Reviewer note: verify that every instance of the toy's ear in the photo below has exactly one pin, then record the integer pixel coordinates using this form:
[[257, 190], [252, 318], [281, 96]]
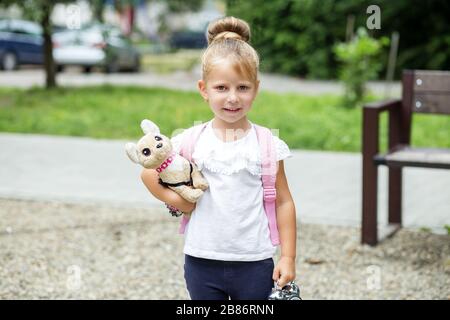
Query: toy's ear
[[148, 126], [132, 152]]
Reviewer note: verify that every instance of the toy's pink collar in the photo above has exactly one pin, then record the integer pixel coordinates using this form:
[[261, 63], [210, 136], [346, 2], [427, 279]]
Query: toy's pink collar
[[166, 163]]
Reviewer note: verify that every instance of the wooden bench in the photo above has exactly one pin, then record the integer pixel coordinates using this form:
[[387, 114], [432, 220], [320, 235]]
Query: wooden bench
[[423, 92]]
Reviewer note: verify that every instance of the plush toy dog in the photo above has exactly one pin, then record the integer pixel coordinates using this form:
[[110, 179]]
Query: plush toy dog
[[154, 151]]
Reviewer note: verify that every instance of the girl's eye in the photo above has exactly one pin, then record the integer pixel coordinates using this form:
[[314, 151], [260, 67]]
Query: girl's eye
[[243, 88], [220, 88]]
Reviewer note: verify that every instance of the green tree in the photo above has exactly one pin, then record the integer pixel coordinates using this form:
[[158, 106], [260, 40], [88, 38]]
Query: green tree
[[297, 36], [97, 7]]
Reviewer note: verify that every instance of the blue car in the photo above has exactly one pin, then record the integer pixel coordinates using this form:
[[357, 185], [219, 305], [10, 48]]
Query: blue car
[[21, 42]]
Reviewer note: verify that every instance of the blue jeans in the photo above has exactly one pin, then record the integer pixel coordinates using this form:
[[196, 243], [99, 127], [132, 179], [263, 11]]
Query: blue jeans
[[220, 280]]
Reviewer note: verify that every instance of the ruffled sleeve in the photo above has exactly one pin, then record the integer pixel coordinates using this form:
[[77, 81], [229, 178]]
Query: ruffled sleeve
[[283, 151], [177, 139]]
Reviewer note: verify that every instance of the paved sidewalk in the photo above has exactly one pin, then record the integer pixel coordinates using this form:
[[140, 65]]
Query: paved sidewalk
[[326, 185]]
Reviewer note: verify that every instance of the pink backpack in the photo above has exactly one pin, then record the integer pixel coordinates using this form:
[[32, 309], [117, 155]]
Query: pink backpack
[[268, 167]]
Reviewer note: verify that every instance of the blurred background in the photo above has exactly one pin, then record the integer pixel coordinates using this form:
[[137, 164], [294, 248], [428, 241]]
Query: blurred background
[[307, 30], [334, 53]]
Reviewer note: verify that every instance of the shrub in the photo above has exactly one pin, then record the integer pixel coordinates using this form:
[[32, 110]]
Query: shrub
[[360, 63]]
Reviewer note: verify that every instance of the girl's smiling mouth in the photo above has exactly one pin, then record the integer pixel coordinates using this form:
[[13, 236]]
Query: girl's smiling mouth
[[233, 110]]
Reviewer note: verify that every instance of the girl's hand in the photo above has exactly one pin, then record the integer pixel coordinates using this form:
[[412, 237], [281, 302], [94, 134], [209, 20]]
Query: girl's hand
[[284, 271]]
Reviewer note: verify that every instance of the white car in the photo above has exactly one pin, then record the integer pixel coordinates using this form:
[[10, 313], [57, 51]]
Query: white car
[[98, 45]]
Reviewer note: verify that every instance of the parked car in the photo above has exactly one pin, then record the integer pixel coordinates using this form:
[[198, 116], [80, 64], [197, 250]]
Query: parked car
[[188, 40], [21, 42], [96, 45]]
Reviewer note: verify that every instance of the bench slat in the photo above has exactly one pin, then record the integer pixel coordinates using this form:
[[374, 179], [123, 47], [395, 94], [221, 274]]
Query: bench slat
[[432, 103], [416, 157], [431, 80]]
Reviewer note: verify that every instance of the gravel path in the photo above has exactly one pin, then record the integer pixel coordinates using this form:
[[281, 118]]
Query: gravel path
[[51, 250]]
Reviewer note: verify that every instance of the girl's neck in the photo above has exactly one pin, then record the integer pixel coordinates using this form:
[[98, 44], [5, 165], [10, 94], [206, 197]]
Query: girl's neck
[[242, 124]]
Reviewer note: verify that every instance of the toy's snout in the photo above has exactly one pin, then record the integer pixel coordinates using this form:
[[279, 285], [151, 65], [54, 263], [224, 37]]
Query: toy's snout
[[160, 144]]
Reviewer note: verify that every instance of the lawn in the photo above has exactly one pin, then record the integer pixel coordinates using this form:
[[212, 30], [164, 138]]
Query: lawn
[[183, 60], [304, 122]]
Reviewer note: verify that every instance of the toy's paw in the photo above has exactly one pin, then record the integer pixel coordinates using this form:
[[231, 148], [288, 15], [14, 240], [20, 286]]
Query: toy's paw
[[201, 184]]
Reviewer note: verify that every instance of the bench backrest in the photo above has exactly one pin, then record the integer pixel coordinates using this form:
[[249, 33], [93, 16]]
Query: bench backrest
[[426, 91]]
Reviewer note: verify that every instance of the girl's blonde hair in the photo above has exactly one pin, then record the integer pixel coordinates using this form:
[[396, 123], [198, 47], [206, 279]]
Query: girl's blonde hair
[[228, 38]]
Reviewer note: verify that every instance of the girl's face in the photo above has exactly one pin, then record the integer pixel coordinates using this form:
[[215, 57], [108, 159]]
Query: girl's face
[[229, 94]]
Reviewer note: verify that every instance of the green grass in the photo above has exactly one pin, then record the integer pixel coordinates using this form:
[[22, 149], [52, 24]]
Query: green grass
[[305, 122], [169, 62], [425, 229]]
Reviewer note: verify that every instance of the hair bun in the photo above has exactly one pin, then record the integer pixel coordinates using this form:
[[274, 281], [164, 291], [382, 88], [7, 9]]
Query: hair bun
[[228, 27]]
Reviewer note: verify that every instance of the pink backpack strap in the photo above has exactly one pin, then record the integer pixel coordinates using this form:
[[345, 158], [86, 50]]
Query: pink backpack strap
[[269, 176], [186, 151]]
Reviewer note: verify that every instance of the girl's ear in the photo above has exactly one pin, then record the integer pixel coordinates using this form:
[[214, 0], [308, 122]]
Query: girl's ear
[[202, 89], [148, 126]]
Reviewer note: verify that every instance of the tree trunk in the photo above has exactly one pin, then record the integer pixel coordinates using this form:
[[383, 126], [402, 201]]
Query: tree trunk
[[98, 7], [49, 63]]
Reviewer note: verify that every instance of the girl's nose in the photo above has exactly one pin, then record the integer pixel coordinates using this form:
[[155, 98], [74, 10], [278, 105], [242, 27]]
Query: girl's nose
[[232, 97]]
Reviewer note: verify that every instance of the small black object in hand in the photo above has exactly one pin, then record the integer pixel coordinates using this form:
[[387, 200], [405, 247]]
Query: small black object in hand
[[289, 292]]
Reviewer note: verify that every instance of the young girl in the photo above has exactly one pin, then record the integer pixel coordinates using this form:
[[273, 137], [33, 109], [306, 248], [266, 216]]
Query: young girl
[[228, 248]]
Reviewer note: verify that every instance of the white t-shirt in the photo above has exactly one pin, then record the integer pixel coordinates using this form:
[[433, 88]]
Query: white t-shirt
[[229, 222]]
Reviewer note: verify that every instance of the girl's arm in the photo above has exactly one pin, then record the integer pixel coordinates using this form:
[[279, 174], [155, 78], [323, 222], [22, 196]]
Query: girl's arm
[[287, 227], [150, 178]]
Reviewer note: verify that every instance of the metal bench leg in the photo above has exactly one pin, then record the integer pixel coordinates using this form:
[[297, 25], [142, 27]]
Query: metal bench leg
[[394, 203], [369, 215], [395, 196], [370, 177]]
